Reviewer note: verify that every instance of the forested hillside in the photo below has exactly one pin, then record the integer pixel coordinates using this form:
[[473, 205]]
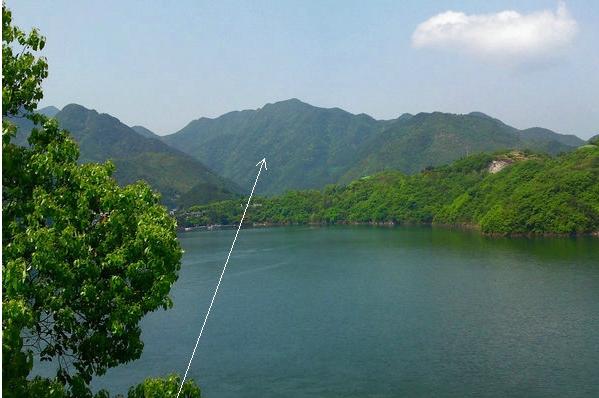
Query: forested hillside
[[433, 139], [176, 175], [529, 194], [309, 147], [306, 146]]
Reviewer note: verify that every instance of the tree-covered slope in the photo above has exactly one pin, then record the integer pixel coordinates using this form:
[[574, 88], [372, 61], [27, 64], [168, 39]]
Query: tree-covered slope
[[306, 146], [432, 139], [556, 195], [540, 134], [309, 147], [173, 173], [530, 194]]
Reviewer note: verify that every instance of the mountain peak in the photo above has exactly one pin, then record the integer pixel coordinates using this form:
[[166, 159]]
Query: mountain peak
[[481, 114], [291, 103], [76, 108], [80, 114], [138, 157], [49, 111]]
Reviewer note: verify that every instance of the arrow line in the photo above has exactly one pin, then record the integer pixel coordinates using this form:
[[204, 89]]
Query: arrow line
[[262, 163]]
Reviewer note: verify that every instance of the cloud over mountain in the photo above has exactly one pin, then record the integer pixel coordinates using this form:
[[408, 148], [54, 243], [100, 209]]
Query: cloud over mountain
[[506, 35]]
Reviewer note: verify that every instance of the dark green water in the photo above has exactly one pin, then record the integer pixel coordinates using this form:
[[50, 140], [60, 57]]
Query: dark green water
[[379, 312]]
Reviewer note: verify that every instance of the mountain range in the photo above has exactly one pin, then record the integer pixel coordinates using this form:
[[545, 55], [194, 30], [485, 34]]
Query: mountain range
[[181, 179], [306, 147], [309, 147]]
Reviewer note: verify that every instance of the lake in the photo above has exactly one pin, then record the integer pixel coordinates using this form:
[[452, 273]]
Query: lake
[[355, 311]]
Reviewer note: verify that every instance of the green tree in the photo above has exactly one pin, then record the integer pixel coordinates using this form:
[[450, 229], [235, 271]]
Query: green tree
[[22, 70], [163, 387], [83, 259]]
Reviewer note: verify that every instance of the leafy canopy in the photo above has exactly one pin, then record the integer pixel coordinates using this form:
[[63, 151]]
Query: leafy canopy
[[83, 259], [22, 70], [535, 194]]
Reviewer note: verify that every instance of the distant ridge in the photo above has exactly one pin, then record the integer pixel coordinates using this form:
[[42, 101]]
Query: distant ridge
[[310, 146], [141, 130], [176, 175], [307, 146], [49, 111], [433, 139]]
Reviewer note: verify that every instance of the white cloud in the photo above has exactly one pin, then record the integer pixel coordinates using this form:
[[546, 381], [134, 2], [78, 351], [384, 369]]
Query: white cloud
[[503, 35]]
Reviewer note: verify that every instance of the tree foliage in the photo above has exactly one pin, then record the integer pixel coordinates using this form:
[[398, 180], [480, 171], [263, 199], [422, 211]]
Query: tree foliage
[[163, 387], [536, 194], [22, 70], [83, 259]]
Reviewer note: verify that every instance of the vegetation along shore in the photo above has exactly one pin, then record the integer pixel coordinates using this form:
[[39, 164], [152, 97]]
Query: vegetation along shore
[[505, 193]]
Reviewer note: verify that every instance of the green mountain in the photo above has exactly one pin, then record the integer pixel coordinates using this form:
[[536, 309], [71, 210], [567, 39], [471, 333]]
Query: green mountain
[[542, 134], [505, 193], [173, 173], [433, 139], [309, 147], [144, 132], [306, 146], [49, 111]]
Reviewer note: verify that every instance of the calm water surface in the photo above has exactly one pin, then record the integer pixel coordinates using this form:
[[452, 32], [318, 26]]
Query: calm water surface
[[379, 312]]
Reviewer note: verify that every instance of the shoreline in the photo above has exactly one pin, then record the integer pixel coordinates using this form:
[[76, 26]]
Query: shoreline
[[391, 224]]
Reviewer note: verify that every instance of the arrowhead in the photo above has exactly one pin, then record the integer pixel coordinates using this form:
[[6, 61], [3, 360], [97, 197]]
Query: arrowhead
[[263, 161]]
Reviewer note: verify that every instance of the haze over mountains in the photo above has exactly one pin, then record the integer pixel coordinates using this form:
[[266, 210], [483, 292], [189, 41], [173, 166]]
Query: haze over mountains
[[181, 179], [306, 147]]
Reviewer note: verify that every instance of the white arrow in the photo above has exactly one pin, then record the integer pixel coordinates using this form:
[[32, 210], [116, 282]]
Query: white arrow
[[262, 163]]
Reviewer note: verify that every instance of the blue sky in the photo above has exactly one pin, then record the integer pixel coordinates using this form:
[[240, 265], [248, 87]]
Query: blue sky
[[161, 64]]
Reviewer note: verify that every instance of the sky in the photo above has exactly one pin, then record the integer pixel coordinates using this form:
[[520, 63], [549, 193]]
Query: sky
[[162, 64]]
